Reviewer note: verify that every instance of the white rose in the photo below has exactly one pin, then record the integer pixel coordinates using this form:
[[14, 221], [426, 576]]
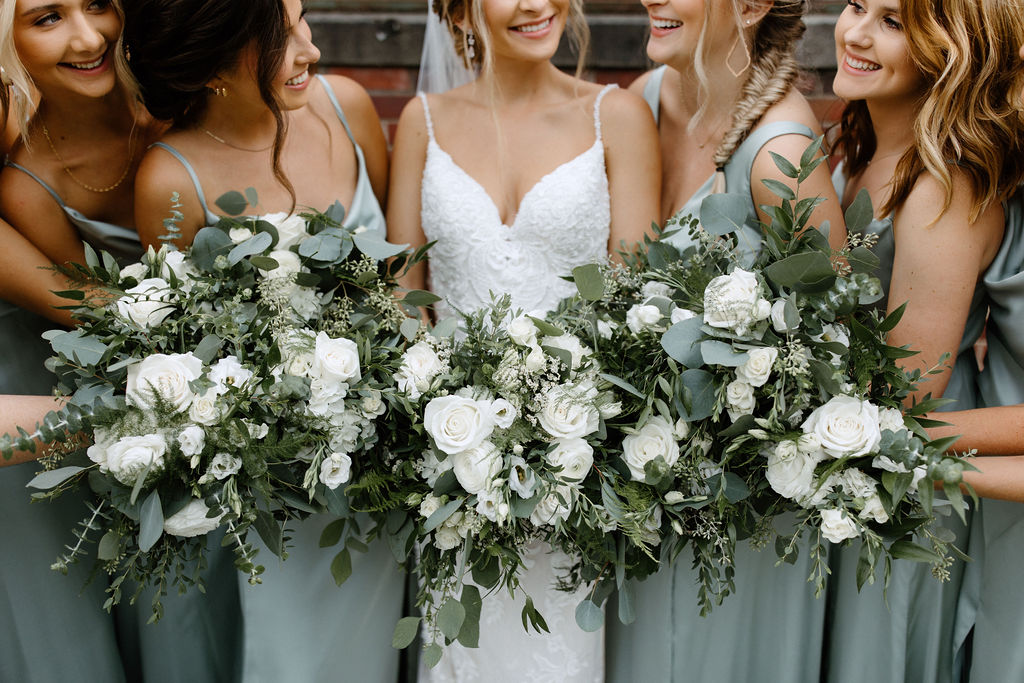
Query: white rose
[[147, 303], [206, 409], [521, 478], [809, 444], [288, 264], [734, 302], [97, 452], [447, 537], [681, 429], [335, 470], [790, 472], [291, 229], [846, 426], [873, 509], [536, 360], [191, 440], [229, 372], [326, 397], [492, 505], [610, 410], [239, 235], [678, 315], [652, 288], [563, 414], [641, 317], [739, 397], [572, 344], [420, 365], [655, 439], [574, 456], [522, 331], [336, 359], [457, 423], [224, 465], [136, 271], [191, 520], [166, 376], [837, 527], [476, 467], [891, 419], [129, 456], [372, 404], [551, 509], [503, 413], [778, 317], [758, 367], [429, 505], [605, 329]]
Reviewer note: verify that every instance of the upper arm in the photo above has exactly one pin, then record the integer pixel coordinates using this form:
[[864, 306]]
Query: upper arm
[[936, 266], [160, 177], [37, 215], [633, 162], [408, 159], [366, 128], [27, 278]]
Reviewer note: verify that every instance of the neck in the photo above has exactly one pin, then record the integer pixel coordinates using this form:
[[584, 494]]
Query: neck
[[251, 127], [70, 113], [519, 81], [893, 126], [719, 100]]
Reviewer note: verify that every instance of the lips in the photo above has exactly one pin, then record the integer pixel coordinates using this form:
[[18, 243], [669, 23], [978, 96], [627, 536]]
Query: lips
[[91, 65], [534, 27], [665, 24], [298, 81], [861, 64]]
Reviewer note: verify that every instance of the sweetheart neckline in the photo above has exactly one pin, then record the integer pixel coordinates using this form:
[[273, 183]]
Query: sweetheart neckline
[[522, 202]]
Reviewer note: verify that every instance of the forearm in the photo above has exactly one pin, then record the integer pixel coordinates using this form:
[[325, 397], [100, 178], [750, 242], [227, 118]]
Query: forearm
[[25, 412], [995, 431], [998, 477]]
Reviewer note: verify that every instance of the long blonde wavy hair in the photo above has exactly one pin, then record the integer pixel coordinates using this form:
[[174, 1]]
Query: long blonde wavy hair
[[971, 116]]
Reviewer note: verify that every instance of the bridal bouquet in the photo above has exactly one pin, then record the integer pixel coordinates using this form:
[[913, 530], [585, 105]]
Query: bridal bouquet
[[233, 385], [497, 431], [758, 384]]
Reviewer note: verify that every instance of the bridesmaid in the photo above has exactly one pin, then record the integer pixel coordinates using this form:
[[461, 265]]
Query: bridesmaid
[[724, 99], [234, 78], [931, 132], [69, 178]]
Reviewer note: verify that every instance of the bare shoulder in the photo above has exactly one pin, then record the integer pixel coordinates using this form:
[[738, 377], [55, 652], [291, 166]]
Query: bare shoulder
[[640, 83], [160, 178], [413, 117], [928, 195], [793, 107], [352, 97], [623, 107]]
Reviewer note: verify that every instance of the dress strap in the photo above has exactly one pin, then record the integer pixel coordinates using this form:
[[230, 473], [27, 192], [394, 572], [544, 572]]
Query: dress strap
[[652, 90], [33, 176], [597, 107], [762, 135], [337, 106], [426, 114], [191, 173]]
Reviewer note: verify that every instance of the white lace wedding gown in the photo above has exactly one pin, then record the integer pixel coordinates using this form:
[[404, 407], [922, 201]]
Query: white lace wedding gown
[[562, 222]]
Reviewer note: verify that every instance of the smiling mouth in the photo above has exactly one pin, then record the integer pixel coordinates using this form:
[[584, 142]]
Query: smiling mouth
[[86, 66], [298, 80], [533, 28], [861, 65], [665, 24]]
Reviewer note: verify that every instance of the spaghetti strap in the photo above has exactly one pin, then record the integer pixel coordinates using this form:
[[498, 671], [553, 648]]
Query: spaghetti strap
[[426, 114], [191, 174], [597, 108], [337, 107], [652, 90], [33, 176]]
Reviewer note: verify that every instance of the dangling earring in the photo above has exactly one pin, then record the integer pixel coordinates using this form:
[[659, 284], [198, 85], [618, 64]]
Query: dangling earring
[[728, 59], [470, 44], [127, 53]]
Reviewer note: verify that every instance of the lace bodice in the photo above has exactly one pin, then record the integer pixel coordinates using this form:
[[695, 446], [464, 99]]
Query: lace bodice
[[562, 222]]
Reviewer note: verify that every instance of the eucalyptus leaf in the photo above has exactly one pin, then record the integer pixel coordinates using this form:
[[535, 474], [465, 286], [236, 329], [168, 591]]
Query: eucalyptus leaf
[[232, 203], [432, 655], [859, 213], [332, 533], [701, 388], [680, 342], [151, 522], [863, 260], [420, 297], [804, 268], [108, 546], [545, 328], [906, 550], [337, 501], [341, 567], [51, 478], [251, 197], [409, 328], [589, 281], [207, 349], [373, 244], [589, 616], [450, 618], [269, 531], [208, 244], [722, 214], [441, 514], [627, 603], [469, 634], [445, 328], [405, 632], [78, 346], [716, 352], [253, 246]]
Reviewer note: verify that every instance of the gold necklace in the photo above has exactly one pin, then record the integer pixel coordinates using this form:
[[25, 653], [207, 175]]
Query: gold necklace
[[64, 165], [233, 146]]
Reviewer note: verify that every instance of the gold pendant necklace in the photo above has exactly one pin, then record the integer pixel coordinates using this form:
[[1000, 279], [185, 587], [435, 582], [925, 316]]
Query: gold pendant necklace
[[64, 165], [233, 146]]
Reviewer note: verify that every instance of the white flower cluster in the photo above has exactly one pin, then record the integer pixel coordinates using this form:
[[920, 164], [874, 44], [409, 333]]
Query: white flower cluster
[[734, 302]]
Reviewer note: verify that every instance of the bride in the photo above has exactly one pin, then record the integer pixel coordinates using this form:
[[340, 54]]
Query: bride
[[518, 176]]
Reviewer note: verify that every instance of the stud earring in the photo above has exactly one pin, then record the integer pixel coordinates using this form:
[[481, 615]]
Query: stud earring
[[220, 92]]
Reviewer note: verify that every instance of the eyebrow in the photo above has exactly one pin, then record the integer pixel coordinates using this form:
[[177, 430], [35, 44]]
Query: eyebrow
[[42, 9]]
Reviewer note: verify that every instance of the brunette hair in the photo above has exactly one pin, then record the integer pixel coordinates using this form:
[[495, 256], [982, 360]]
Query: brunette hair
[[971, 116], [178, 46]]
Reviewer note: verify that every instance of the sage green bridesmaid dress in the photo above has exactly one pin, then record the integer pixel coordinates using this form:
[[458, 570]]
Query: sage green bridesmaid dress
[[917, 637], [991, 601], [771, 628]]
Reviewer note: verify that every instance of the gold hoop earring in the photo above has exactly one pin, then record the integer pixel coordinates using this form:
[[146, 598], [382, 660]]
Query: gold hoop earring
[[728, 59]]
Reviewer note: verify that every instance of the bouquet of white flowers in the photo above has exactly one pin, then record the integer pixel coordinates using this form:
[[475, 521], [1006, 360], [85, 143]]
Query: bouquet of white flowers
[[232, 385]]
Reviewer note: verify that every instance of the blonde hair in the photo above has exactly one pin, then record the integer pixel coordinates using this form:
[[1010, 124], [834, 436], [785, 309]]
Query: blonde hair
[[453, 12]]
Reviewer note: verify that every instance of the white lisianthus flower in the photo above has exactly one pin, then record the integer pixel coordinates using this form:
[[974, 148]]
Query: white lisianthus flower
[[335, 470], [573, 345], [733, 302], [430, 468], [503, 413], [147, 304], [652, 527], [229, 372], [129, 456], [522, 331], [372, 404], [447, 537], [919, 473], [429, 505], [610, 410], [758, 367], [420, 365], [288, 264], [184, 270], [678, 315], [522, 478], [857, 484], [810, 444], [836, 526], [654, 439], [536, 360], [192, 520], [820, 491], [681, 429], [224, 465], [206, 409], [652, 288], [891, 419], [873, 509], [845, 426], [291, 229], [456, 423], [327, 397], [476, 468], [256, 431], [778, 317], [575, 456], [641, 317], [739, 398], [239, 235], [492, 505], [192, 440], [565, 415], [834, 333], [97, 452], [790, 472], [605, 329], [136, 271], [163, 375], [335, 359], [553, 507]]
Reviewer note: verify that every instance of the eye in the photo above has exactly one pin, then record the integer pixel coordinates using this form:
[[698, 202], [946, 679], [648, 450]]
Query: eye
[[99, 5], [48, 19], [893, 24], [854, 5]]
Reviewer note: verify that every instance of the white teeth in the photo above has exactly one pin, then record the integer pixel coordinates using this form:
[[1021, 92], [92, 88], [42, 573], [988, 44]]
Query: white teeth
[[861, 65], [533, 28], [298, 80], [665, 23], [85, 67]]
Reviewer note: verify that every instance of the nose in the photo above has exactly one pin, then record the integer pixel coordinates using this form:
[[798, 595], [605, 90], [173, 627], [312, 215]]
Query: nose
[[86, 37], [532, 6], [856, 33], [307, 52], [648, 4]]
